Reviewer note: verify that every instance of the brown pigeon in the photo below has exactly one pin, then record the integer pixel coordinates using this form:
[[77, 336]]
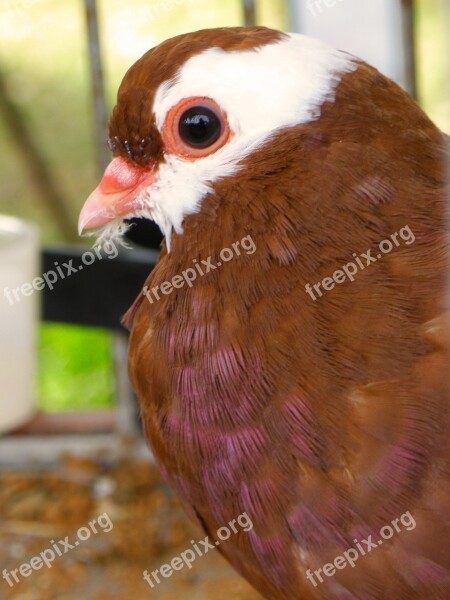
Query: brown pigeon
[[291, 348]]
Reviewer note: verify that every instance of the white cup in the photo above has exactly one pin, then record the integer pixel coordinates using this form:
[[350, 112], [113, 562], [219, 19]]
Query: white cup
[[19, 318]]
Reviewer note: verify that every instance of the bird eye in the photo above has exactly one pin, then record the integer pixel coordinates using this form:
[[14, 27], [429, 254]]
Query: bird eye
[[200, 127], [195, 128]]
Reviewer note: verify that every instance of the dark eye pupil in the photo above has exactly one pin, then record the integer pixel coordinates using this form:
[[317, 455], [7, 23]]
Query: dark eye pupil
[[200, 127]]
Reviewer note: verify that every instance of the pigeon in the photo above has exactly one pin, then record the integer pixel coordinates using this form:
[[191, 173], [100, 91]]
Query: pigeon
[[290, 350]]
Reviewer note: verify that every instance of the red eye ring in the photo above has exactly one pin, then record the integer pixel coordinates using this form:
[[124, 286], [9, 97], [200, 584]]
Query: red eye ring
[[174, 144]]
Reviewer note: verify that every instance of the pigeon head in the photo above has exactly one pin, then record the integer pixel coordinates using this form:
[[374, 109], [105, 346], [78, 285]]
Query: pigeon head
[[191, 111]]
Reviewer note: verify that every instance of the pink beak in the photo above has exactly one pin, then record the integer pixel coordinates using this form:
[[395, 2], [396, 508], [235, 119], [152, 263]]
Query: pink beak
[[117, 195]]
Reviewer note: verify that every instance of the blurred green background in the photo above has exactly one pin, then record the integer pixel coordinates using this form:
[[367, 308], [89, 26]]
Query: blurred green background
[[44, 61]]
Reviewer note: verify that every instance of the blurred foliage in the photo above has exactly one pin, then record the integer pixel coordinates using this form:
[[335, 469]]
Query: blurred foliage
[[43, 53], [75, 369]]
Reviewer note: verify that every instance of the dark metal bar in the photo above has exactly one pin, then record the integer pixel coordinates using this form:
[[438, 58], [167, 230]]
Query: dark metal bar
[[113, 312], [409, 35], [249, 9], [98, 87]]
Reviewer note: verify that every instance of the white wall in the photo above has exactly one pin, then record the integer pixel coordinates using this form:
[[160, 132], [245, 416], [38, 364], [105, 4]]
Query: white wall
[[370, 29]]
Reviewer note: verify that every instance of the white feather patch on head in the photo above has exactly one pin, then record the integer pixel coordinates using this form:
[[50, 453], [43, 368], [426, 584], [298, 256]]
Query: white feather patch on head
[[262, 91]]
